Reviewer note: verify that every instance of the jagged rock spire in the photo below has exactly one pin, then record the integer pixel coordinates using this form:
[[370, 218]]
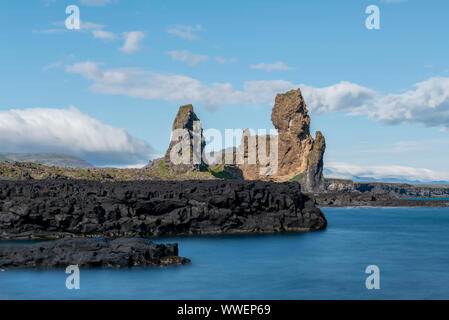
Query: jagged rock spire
[[186, 121], [300, 157]]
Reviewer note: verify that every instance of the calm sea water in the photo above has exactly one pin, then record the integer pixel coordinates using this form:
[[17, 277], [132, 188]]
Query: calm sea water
[[409, 245]]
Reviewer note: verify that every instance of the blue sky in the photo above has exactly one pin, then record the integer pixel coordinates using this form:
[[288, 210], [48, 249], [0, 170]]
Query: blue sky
[[109, 92]]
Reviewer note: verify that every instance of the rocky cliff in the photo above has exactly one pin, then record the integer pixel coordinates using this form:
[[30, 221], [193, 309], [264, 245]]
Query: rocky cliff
[[300, 157], [52, 209]]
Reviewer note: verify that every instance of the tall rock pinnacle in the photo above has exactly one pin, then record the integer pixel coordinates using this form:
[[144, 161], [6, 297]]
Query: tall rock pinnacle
[[188, 125]]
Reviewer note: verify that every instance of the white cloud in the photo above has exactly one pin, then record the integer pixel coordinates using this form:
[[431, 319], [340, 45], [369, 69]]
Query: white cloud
[[185, 56], [427, 104], [343, 96], [95, 3], [72, 132], [146, 84], [88, 26], [343, 170], [277, 66], [49, 31], [88, 69], [222, 60], [105, 35], [54, 65], [85, 26], [132, 40], [140, 83], [185, 32]]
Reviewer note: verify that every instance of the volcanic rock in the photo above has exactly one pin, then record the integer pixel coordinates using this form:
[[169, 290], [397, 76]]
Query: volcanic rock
[[90, 253], [55, 209]]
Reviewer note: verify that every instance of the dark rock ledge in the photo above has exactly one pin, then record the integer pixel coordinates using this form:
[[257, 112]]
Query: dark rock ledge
[[357, 199], [90, 253], [50, 209]]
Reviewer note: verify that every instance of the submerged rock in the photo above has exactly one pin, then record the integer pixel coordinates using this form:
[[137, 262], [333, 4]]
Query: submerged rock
[[90, 253], [54, 209]]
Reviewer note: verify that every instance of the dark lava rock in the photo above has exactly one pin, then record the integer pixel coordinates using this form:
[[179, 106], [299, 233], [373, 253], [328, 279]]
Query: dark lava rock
[[394, 190], [56, 209], [90, 253]]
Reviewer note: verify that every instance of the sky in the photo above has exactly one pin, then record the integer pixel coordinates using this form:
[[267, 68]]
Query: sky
[[109, 92]]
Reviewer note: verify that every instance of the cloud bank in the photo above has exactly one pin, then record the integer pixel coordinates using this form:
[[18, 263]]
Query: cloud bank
[[72, 132], [349, 171], [427, 103]]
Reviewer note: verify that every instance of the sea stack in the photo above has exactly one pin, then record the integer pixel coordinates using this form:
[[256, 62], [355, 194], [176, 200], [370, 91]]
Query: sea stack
[[186, 120], [300, 156]]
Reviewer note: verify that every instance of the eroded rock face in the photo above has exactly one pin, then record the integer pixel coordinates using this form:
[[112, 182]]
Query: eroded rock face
[[90, 253], [300, 157], [55, 209], [187, 120]]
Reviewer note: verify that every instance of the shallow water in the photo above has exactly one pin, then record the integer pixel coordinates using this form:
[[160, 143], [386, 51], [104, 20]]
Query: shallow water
[[409, 245]]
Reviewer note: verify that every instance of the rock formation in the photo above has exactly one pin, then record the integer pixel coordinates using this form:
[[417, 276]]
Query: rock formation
[[186, 120], [90, 253], [395, 190], [300, 157], [364, 199], [55, 209]]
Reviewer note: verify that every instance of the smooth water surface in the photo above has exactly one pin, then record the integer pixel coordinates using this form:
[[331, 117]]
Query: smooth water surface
[[409, 245]]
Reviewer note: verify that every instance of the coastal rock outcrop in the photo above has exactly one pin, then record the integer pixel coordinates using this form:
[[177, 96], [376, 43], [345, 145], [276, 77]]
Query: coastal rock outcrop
[[188, 121], [300, 156], [395, 190], [56, 209], [358, 199], [90, 253]]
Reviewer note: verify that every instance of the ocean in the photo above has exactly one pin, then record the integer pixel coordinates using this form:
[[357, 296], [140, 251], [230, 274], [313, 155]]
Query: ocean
[[410, 246]]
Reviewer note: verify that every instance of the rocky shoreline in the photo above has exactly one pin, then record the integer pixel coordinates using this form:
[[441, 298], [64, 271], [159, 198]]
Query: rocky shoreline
[[394, 190], [90, 253], [51, 209], [369, 199]]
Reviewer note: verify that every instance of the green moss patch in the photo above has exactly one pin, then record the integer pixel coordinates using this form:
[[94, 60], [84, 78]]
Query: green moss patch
[[297, 178]]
